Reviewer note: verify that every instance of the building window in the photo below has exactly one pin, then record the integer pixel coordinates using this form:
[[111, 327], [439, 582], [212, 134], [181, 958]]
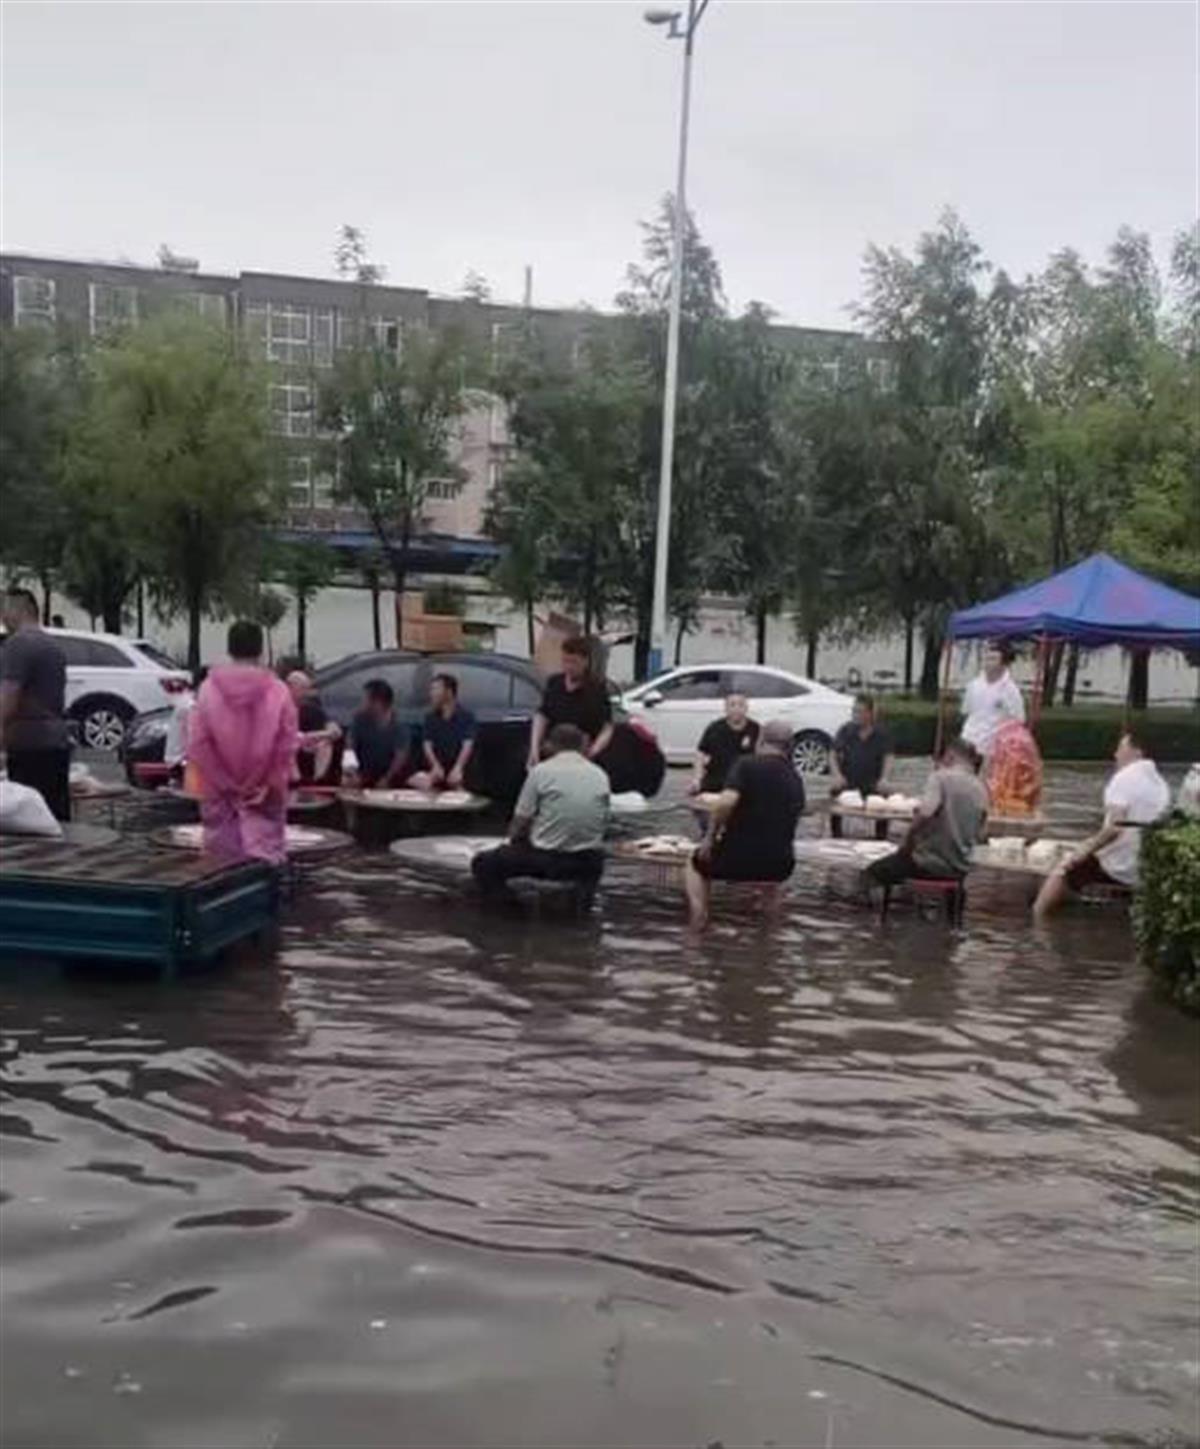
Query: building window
[[881, 372], [289, 334], [206, 304], [299, 480], [323, 339], [442, 489], [322, 491], [832, 372], [291, 408], [33, 301], [385, 334], [111, 307]]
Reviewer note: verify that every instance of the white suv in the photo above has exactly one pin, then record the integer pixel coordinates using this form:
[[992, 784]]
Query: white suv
[[110, 679]]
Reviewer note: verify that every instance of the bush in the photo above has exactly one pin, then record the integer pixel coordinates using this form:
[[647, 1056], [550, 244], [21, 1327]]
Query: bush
[[1166, 914], [1083, 732]]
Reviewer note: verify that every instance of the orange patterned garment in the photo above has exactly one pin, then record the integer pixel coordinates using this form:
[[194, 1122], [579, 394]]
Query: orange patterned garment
[[1014, 775]]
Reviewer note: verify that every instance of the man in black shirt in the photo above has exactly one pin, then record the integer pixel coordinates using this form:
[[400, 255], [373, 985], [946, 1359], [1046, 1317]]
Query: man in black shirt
[[722, 744], [576, 697], [33, 682], [862, 757], [752, 827], [319, 752]]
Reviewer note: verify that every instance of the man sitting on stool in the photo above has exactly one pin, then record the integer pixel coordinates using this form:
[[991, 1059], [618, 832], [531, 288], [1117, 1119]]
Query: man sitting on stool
[[752, 827], [946, 825], [557, 830]]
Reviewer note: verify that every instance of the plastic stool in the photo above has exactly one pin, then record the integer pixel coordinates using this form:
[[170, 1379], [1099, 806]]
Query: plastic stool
[[950, 890]]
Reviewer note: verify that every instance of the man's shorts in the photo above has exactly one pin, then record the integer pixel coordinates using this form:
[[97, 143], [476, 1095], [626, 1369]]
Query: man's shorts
[[734, 865], [1089, 871]]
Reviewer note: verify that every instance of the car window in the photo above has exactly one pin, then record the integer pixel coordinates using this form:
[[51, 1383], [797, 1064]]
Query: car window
[[157, 656], [342, 695], [106, 656], [758, 684], [77, 652], [526, 693], [482, 687], [696, 684]]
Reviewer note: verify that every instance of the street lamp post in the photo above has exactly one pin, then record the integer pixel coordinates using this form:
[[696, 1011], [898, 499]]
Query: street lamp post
[[678, 29]]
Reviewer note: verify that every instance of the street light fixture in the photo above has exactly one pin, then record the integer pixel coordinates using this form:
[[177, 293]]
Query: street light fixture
[[685, 30]]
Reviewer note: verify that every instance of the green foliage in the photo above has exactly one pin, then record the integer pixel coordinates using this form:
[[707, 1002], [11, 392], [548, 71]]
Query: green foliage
[[394, 422], [174, 439], [1167, 908], [1081, 732]]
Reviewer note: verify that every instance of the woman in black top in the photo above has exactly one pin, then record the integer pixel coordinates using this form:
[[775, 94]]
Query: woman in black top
[[577, 697]]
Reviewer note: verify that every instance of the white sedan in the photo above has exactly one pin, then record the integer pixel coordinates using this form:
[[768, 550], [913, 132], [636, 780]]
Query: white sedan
[[679, 704]]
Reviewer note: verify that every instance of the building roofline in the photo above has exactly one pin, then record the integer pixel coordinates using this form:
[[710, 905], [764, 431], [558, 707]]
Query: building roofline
[[126, 266]]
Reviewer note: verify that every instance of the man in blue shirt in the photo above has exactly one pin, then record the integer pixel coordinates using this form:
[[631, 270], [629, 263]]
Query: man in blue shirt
[[448, 737], [378, 739]]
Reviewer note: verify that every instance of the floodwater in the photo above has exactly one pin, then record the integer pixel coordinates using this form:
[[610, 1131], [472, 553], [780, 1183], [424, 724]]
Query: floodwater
[[434, 1177]]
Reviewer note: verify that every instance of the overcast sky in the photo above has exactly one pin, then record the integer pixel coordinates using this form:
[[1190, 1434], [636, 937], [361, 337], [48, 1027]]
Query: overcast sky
[[488, 136]]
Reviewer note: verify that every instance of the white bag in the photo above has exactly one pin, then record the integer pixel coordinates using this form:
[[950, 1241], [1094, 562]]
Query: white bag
[[24, 812]]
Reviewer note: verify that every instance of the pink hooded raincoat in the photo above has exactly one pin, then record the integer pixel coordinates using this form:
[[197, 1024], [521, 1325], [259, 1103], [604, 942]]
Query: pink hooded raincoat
[[242, 737]]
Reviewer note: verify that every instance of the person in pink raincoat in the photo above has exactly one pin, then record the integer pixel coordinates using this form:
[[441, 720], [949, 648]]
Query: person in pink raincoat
[[242, 739]]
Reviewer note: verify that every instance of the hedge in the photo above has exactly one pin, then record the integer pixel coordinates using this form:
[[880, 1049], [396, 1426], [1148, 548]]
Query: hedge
[[1083, 732], [1166, 913]]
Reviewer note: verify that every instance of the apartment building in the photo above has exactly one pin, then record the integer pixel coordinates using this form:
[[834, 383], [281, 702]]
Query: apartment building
[[300, 323]]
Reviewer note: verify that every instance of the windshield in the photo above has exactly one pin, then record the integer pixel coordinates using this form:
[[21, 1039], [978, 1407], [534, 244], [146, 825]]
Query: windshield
[[156, 655]]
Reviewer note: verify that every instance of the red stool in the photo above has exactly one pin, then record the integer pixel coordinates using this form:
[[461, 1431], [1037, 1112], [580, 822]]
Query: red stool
[[950, 891]]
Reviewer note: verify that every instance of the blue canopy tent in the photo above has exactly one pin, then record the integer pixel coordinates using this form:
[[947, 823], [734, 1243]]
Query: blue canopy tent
[[1097, 602]]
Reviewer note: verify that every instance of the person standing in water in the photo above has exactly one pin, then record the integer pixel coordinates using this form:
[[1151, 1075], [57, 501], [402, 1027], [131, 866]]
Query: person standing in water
[[576, 697], [991, 699], [722, 745], [242, 738], [33, 727]]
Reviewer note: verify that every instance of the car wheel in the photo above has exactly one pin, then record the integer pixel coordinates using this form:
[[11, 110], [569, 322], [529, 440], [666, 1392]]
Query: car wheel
[[102, 724], [810, 753]]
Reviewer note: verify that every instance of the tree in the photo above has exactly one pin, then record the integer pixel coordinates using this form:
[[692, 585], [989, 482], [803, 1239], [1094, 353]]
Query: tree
[[476, 287], [39, 387], [305, 567], [268, 607], [393, 419], [351, 260], [520, 519], [177, 426]]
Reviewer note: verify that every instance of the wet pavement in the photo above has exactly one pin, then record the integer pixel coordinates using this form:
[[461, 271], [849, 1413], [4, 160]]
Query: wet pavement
[[430, 1176]]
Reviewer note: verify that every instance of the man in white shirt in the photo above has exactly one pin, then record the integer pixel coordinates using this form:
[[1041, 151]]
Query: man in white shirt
[[990, 700], [1136, 795]]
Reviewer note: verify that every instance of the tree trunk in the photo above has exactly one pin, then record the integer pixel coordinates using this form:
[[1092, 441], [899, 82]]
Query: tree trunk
[[530, 628], [1053, 669], [193, 657], [302, 625], [811, 639], [589, 586], [909, 629], [760, 633], [112, 618], [1068, 697], [47, 600], [376, 627], [930, 662], [641, 654], [141, 609], [1139, 679], [680, 632]]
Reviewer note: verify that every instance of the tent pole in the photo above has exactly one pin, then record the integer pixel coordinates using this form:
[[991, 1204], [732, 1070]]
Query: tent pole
[[1039, 680], [939, 738]]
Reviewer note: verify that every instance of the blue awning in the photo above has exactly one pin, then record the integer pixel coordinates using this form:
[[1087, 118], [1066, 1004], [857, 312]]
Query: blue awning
[[434, 552], [1099, 601]]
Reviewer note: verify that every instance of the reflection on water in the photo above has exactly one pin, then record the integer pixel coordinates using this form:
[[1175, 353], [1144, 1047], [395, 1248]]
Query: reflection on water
[[436, 1177]]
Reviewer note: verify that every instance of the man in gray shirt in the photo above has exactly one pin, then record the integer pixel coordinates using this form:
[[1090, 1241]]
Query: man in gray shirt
[[948, 822], [557, 830], [33, 682]]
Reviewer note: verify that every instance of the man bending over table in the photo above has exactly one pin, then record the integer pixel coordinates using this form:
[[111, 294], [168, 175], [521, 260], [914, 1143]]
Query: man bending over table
[[557, 830]]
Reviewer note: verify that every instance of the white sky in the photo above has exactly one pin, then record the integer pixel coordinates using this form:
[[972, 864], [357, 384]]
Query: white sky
[[491, 135]]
